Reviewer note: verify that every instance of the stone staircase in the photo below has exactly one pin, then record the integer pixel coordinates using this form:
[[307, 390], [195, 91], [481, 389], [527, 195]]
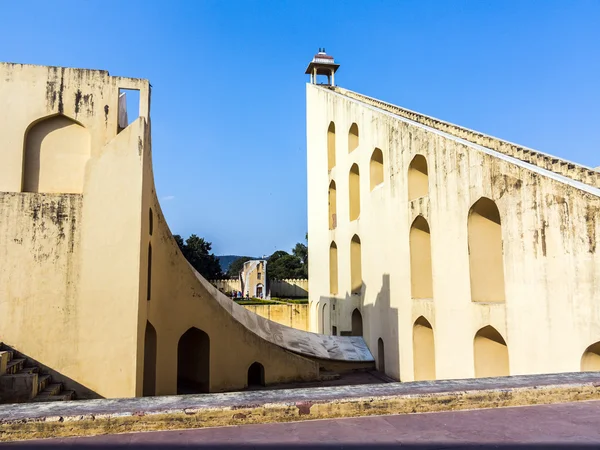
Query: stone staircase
[[577, 172], [22, 381]]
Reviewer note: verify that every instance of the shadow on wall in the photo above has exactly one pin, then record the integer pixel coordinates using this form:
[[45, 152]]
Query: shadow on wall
[[82, 392], [382, 339]]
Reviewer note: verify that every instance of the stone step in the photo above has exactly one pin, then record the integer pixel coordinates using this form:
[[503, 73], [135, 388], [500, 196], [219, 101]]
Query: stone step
[[14, 366], [328, 376], [62, 396], [52, 389], [43, 382]]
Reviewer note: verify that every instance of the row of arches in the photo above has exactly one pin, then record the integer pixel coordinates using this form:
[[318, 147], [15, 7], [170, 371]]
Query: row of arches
[[376, 178], [355, 267], [418, 184], [193, 363], [352, 142], [486, 264], [490, 352]]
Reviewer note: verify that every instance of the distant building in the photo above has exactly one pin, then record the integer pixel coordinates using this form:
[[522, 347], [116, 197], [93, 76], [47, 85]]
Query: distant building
[[253, 278]]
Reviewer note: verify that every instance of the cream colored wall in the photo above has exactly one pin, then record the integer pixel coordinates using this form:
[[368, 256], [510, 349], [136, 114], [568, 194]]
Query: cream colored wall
[[549, 236], [179, 301], [295, 316], [77, 256]]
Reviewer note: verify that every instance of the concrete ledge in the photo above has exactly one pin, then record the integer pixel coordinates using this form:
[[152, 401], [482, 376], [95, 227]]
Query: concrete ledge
[[94, 417]]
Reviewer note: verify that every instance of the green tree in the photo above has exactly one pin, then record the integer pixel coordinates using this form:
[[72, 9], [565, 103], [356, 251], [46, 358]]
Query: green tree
[[300, 251], [198, 253], [236, 266], [281, 266]]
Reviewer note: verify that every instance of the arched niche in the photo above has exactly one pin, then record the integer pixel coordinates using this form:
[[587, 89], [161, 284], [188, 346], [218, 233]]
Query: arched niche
[[423, 350], [486, 263], [355, 265], [326, 319], [380, 356], [376, 168], [490, 353], [352, 137], [56, 151], [193, 362], [418, 178], [332, 206], [357, 323], [256, 375], [354, 192], [421, 278], [333, 269], [150, 345], [331, 146], [590, 361]]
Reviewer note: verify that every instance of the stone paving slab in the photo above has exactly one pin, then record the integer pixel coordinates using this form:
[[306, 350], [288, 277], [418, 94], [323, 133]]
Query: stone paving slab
[[90, 417]]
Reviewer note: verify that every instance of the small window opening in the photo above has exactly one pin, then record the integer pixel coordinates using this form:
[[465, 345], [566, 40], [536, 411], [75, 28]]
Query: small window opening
[[128, 108], [150, 222]]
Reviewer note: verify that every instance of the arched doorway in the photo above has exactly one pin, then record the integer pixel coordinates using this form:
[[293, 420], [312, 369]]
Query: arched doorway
[[256, 375], [57, 150], [149, 361], [491, 353], [380, 356], [193, 362], [590, 361], [423, 350], [357, 324]]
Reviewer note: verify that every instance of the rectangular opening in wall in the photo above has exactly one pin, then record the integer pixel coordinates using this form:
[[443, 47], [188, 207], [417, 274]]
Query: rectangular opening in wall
[[128, 108]]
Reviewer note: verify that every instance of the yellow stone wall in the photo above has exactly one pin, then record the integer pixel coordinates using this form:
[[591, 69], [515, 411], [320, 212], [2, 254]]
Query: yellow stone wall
[[295, 316]]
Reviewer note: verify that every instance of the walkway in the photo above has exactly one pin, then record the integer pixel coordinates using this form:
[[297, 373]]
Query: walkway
[[572, 425]]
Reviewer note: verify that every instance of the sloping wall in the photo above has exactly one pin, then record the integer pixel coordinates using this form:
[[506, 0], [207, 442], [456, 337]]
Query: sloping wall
[[549, 233]]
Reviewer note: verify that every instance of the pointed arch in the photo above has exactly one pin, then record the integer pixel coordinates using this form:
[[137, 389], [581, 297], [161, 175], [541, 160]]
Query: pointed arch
[[590, 361], [418, 178], [56, 151], [333, 269], [150, 345], [357, 323], [421, 278], [326, 319], [490, 353], [380, 356], [193, 362], [355, 265], [352, 137], [331, 146], [332, 205], [354, 192], [423, 350], [376, 166], [486, 262]]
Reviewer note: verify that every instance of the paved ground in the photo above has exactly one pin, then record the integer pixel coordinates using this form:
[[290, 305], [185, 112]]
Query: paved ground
[[119, 407], [570, 425]]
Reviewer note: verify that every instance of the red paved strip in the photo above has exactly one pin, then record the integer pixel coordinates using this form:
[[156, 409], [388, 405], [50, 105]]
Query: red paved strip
[[573, 425]]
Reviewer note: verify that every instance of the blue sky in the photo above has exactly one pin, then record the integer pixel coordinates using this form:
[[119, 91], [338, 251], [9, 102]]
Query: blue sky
[[228, 106]]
